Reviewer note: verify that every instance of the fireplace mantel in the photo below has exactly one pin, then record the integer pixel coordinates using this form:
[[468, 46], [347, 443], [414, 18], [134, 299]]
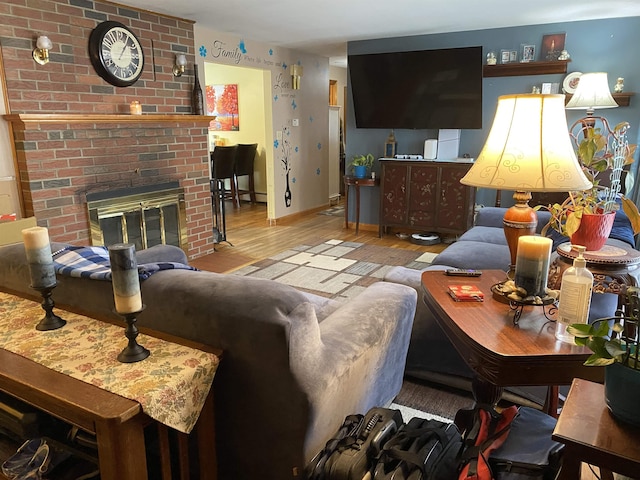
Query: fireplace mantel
[[25, 118]]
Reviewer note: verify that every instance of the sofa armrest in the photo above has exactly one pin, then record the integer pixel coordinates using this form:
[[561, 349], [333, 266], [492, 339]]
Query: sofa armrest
[[354, 359]]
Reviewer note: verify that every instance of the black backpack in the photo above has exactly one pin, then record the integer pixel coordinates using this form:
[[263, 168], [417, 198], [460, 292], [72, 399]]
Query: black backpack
[[421, 450]]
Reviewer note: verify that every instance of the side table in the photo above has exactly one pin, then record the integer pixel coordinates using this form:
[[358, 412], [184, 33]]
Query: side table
[[611, 266], [592, 435], [350, 180]]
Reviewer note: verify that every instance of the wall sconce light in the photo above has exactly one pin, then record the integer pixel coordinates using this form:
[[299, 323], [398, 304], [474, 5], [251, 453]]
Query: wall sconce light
[[296, 74], [181, 62], [41, 52]]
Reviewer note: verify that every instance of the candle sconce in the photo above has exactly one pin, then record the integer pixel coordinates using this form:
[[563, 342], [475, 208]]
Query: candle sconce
[[50, 321], [133, 352]]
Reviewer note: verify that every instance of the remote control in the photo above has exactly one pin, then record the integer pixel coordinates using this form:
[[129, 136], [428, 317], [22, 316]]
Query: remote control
[[454, 272]]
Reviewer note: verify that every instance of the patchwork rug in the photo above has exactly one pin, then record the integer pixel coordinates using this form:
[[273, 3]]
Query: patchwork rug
[[335, 268], [335, 211]]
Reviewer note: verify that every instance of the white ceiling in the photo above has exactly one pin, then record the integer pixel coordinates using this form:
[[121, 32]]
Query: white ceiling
[[324, 26]]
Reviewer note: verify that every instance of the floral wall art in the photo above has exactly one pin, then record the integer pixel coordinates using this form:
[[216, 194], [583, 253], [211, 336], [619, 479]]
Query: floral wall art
[[222, 101]]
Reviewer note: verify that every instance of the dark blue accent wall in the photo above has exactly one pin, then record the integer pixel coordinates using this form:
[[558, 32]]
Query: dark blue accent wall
[[609, 45]]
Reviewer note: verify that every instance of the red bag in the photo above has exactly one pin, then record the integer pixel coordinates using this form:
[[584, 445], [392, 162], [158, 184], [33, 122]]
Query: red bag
[[488, 431]]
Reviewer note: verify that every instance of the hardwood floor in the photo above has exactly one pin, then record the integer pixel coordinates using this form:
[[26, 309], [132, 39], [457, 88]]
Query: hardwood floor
[[254, 239]]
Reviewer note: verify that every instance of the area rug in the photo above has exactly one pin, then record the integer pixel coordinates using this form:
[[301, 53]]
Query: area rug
[[335, 211], [335, 268]]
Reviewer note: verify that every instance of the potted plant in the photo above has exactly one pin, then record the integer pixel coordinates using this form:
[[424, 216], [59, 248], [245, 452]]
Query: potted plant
[[617, 348], [587, 213], [360, 164]]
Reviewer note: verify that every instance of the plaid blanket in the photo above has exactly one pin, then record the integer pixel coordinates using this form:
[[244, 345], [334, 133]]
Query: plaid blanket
[[93, 262]]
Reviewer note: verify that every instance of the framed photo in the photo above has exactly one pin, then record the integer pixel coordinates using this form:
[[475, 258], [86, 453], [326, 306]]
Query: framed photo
[[505, 56], [528, 53], [513, 56], [552, 45]]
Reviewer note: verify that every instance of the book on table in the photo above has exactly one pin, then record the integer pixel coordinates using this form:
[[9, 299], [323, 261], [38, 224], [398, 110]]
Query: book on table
[[466, 293]]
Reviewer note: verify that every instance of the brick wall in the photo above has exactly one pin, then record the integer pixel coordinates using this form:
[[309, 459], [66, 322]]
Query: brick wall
[[58, 163]]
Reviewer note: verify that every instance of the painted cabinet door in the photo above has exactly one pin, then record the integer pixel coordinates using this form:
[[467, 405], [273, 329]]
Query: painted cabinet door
[[423, 198], [393, 193], [455, 200]]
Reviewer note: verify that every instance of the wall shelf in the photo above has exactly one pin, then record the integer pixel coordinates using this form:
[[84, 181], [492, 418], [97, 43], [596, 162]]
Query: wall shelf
[[525, 68], [622, 99]]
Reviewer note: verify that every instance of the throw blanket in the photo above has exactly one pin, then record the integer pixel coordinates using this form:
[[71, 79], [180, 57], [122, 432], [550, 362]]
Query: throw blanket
[[93, 262]]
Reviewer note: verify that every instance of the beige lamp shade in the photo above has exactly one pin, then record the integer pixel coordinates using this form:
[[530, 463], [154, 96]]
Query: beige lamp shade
[[528, 148], [592, 92]]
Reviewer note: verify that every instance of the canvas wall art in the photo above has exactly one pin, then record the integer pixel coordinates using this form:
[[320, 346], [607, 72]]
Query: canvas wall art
[[222, 101]]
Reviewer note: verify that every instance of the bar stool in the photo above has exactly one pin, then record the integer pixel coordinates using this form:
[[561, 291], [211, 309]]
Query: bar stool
[[222, 164], [245, 156]]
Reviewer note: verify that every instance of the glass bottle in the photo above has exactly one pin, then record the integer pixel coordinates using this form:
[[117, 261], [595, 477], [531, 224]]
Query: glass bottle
[[197, 98]]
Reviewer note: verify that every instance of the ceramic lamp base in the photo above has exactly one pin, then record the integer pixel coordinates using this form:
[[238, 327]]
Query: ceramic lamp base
[[518, 220]]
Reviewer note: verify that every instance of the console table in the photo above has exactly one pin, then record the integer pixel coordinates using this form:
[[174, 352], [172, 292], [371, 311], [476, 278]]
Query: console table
[[72, 374], [356, 182]]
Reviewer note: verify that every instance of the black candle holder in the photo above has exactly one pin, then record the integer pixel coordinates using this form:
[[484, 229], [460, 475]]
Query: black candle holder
[[50, 321], [133, 352]]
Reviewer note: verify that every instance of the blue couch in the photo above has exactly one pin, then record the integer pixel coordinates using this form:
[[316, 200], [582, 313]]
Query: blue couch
[[431, 356]]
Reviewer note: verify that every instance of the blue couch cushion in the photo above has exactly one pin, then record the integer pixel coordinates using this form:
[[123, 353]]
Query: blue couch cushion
[[476, 255]]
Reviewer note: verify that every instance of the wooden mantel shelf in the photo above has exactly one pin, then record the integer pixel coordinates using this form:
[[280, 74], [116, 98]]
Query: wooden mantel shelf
[[98, 118]]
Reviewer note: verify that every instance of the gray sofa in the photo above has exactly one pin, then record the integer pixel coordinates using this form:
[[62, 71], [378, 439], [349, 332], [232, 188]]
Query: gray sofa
[[294, 364], [431, 355]]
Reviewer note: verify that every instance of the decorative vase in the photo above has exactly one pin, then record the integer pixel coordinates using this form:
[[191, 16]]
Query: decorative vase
[[197, 99], [594, 230], [359, 171], [622, 390]]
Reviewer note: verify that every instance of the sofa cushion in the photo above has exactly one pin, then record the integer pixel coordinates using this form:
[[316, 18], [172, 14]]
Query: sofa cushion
[[484, 234], [475, 255]]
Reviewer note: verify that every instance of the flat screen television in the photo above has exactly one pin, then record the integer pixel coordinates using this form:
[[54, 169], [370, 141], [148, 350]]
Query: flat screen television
[[424, 89]]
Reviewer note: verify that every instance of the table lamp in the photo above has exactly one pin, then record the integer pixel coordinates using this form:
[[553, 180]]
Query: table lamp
[[528, 150]]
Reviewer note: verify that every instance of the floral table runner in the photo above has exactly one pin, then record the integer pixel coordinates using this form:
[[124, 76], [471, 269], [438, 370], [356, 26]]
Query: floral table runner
[[171, 384]]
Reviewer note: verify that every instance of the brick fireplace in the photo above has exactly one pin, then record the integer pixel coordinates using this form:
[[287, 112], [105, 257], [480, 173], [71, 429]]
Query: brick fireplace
[[61, 158]]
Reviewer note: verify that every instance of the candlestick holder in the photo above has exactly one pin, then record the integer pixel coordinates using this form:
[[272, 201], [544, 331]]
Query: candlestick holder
[[50, 321], [548, 303], [133, 352]]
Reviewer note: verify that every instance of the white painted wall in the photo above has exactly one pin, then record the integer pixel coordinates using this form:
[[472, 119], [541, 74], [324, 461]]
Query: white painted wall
[[308, 142]]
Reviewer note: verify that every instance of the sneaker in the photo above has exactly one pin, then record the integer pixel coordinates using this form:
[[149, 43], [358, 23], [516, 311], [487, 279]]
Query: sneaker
[[15, 465]]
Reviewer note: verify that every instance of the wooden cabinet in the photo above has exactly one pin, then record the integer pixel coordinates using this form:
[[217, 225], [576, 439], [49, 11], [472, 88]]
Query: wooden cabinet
[[425, 196]]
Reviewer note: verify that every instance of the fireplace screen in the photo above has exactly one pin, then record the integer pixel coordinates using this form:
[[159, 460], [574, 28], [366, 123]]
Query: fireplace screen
[[146, 217]]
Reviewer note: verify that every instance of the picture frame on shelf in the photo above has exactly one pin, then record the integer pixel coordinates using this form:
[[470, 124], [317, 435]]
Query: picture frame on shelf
[[552, 46], [505, 56], [513, 56], [528, 53]]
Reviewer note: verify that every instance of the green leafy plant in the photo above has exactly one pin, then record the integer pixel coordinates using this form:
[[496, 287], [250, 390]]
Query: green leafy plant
[[362, 160], [598, 153], [617, 343]]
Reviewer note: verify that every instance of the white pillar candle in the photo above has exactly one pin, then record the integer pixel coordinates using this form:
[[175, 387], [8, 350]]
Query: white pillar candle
[[124, 277], [39, 258], [532, 264]]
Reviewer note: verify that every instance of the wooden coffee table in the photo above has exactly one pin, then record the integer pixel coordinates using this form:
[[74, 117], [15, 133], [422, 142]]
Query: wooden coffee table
[[500, 353]]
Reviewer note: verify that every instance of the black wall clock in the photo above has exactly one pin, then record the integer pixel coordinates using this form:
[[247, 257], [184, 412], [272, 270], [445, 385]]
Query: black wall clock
[[116, 54]]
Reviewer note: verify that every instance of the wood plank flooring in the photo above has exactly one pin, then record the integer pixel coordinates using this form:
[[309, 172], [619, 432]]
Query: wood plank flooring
[[254, 239]]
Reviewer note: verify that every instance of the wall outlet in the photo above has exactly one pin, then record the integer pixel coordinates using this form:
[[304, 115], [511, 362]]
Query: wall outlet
[[295, 122], [279, 135]]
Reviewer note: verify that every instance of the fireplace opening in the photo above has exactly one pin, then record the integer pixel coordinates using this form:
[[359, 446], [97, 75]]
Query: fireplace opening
[[145, 216]]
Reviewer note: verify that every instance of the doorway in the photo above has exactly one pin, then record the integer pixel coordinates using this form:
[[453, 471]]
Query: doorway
[[251, 122]]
